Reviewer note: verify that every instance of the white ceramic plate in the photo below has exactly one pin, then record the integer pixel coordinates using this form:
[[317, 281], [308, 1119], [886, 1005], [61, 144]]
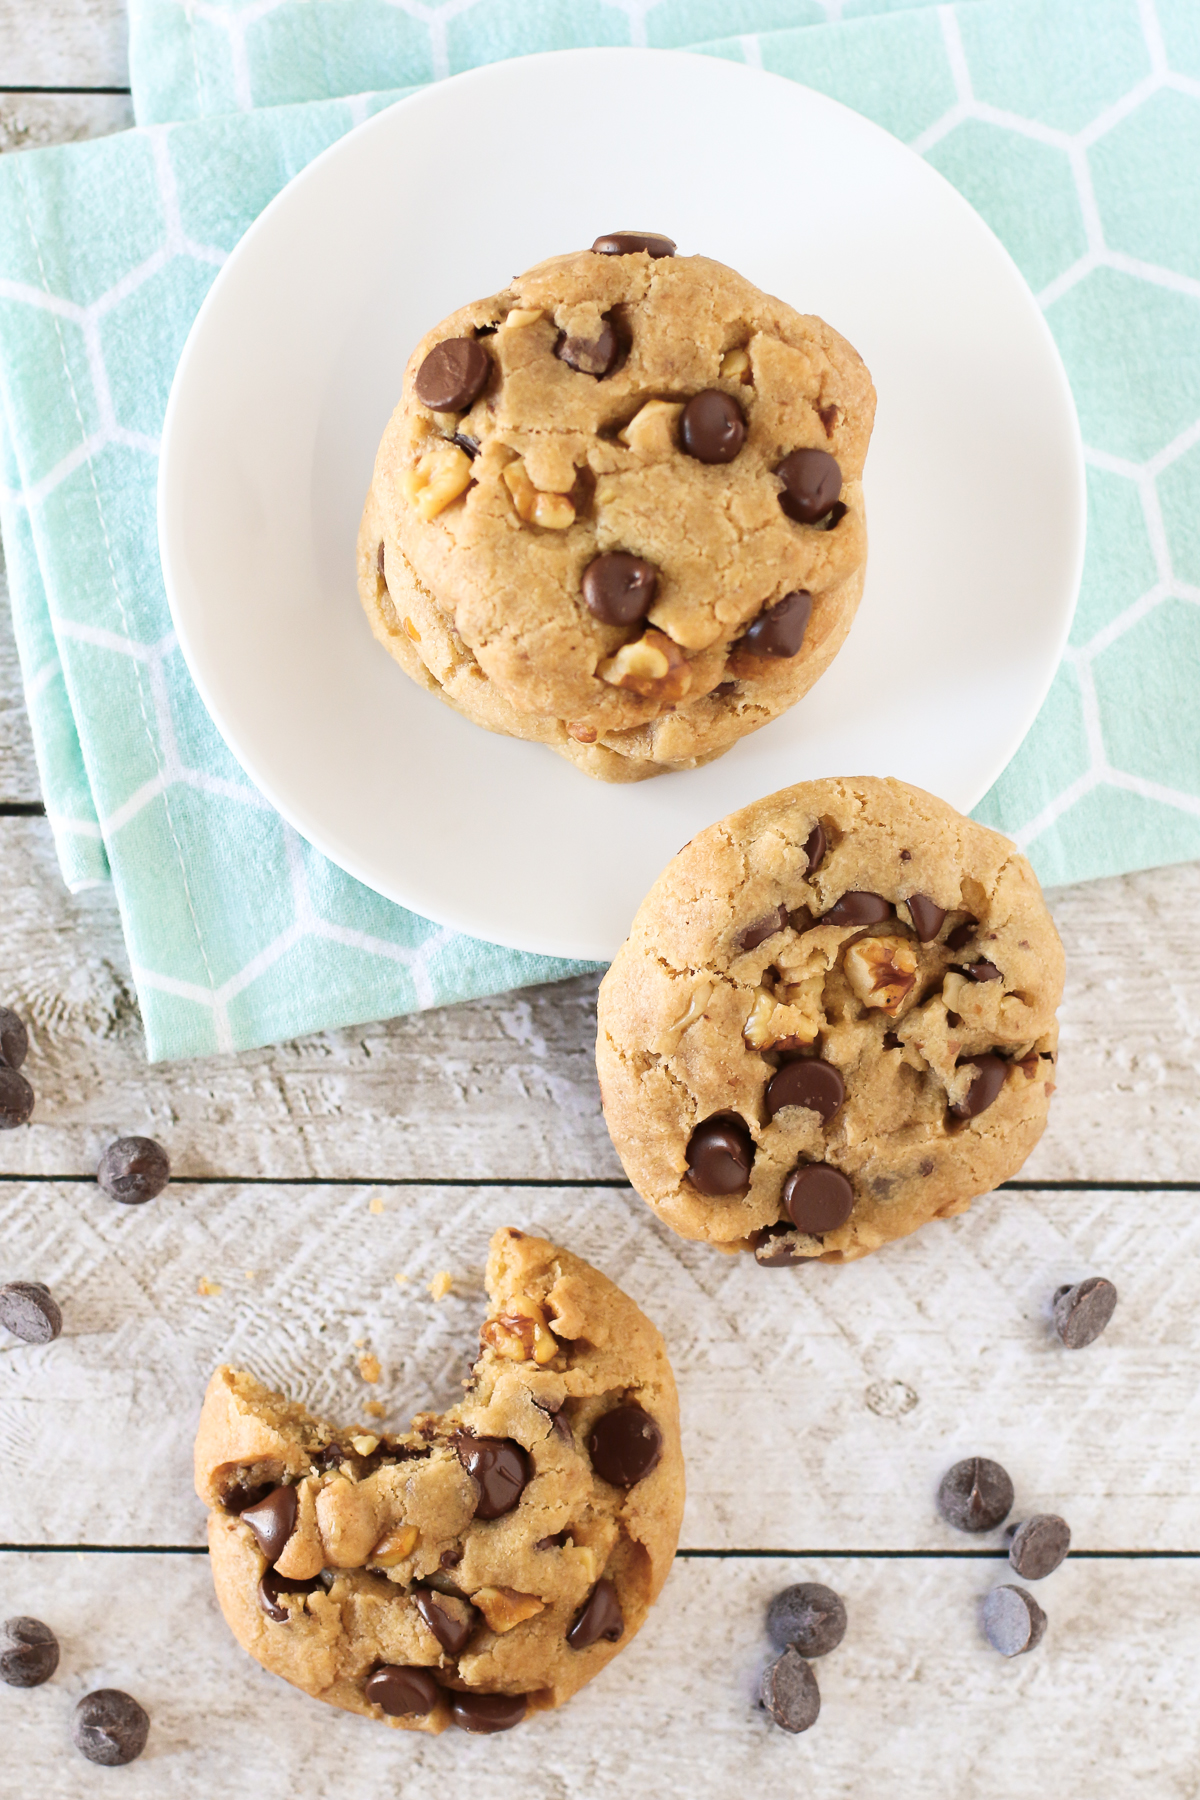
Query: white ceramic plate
[[974, 486]]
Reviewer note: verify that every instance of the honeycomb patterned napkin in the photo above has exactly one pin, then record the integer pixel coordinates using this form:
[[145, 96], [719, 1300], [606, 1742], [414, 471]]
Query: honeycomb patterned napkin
[[1072, 125]]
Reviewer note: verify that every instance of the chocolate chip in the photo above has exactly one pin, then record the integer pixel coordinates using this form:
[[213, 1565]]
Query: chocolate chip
[[807, 1082], [975, 1495], [273, 1584], [817, 1198], [624, 1445], [453, 375], [808, 1617], [815, 847], [14, 1039], [133, 1170], [962, 934], [779, 1247], [485, 1713], [1082, 1312], [16, 1099], [110, 1727], [789, 1692], [499, 1467], [711, 427], [812, 482], [450, 1559], [891, 1041], [30, 1311], [556, 1542], [1039, 1545], [763, 928], [401, 1692], [926, 915], [452, 1633], [558, 1419], [600, 1617], [329, 1456], [720, 1153], [626, 243], [857, 908], [237, 1498], [589, 356], [985, 1087], [1013, 1622], [618, 588], [982, 971], [953, 1020], [272, 1521], [28, 1652], [779, 629], [465, 442]]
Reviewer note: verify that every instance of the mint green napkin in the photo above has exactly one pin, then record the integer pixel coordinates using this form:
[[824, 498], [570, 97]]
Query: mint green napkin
[[1074, 128]]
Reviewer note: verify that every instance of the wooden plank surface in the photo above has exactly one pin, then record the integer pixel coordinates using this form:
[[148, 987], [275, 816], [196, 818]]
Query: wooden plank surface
[[63, 43]]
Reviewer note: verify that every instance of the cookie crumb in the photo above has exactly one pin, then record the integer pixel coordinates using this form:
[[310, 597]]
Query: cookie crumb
[[441, 1284], [401, 1279], [364, 1442], [205, 1286], [375, 1204], [368, 1367], [376, 1408]]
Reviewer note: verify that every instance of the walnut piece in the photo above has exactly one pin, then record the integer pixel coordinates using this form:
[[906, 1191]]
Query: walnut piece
[[440, 477], [735, 365], [393, 1548], [583, 734], [554, 511], [652, 666], [651, 431], [520, 315], [504, 1607], [521, 1334], [773, 1023], [882, 971]]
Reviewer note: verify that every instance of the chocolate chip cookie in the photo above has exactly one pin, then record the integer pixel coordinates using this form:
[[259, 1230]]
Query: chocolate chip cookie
[[483, 1565], [619, 510], [832, 1020]]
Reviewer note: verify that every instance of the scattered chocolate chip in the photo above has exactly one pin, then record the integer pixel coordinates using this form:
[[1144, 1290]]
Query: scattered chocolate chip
[[1013, 1622], [985, 1087], [720, 1153], [16, 1099], [626, 243], [273, 1584], [466, 442], [14, 1039], [1039, 1545], [763, 928], [600, 1617], [925, 1166], [789, 1692], [29, 1310], [857, 908], [829, 416], [779, 1247], [711, 427], [272, 1521], [815, 847], [619, 589], [808, 1617], [906, 856], [451, 1632], [624, 1445], [485, 1713], [28, 1652], [817, 1198], [589, 356], [812, 482], [110, 1728], [927, 916], [133, 1170], [891, 1041], [982, 971], [499, 1467], [1082, 1312], [962, 934], [779, 630], [807, 1082], [450, 1559], [453, 375], [975, 1495], [401, 1692]]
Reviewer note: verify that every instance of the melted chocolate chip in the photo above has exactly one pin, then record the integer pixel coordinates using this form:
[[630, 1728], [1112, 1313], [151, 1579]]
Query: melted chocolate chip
[[891, 1041], [985, 1087], [815, 847], [817, 1198], [711, 427], [807, 1082], [14, 1039], [779, 629], [273, 1584], [556, 1542], [589, 356], [619, 589], [763, 928], [624, 1445], [953, 1020], [789, 1692], [600, 1617], [451, 1632], [485, 1713], [801, 919], [720, 1153], [16, 1099], [857, 908], [779, 1247], [1082, 1312], [927, 916], [808, 1617], [110, 1728], [962, 934], [975, 1495], [272, 1521], [465, 442], [812, 482], [499, 1467], [29, 1310], [1013, 1622], [28, 1652], [453, 375], [450, 1559], [559, 1422], [627, 243], [1039, 1545], [982, 971], [241, 1495], [401, 1692], [134, 1170]]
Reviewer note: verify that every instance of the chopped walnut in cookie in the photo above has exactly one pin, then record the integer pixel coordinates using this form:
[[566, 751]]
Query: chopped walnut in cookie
[[882, 971]]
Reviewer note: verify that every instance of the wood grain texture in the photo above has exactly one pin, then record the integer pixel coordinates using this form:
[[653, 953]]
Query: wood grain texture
[[820, 1407], [914, 1702], [63, 43], [19, 782], [29, 121]]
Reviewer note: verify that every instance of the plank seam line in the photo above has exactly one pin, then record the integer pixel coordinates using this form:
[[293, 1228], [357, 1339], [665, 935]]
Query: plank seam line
[[36, 88], [995, 1555], [22, 809]]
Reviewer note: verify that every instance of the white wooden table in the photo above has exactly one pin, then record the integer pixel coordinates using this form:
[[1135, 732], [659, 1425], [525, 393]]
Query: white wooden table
[[819, 1408]]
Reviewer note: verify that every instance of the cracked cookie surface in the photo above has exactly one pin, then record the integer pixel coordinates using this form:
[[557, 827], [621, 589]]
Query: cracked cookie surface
[[832, 1021], [483, 1565], [637, 407]]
